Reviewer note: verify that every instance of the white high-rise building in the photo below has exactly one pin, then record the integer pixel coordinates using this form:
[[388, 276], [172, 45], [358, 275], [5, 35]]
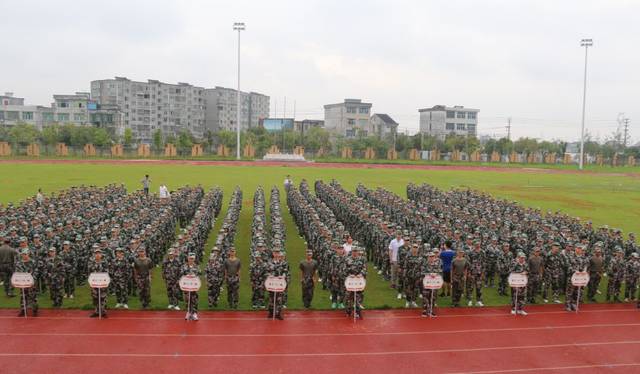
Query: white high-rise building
[[221, 108], [153, 105], [442, 120]]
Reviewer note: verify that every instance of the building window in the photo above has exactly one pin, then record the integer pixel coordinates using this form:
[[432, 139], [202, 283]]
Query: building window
[[471, 127], [351, 109], [64, 104], [79, 105], [363, 110], [450, 126], [62, 117], [460, 115], [451, 114], [1, 115], [78, 117], [350, 133], [363, 123], [460, 126], [27, 116], [351, 121], [471, 115], [47, 117]]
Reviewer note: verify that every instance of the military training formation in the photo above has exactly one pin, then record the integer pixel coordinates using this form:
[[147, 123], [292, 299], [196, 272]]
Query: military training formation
[[431, 245]]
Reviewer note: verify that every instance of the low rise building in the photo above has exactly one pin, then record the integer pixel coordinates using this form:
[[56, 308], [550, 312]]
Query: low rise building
[[441, 120]]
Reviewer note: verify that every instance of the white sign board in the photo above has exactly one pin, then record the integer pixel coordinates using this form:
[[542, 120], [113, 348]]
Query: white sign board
[[275, 284], [190, 283], [432, 281], [99, 280], [518, 280], [580, 279], [22, 280], [355, 284]]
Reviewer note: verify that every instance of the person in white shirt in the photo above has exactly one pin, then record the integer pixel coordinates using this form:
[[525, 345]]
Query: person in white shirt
[[164, 192], [287, 183], [394, 247], [39, 196], [347, 245]]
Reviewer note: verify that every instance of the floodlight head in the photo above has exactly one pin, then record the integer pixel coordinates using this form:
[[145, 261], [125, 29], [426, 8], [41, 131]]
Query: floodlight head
[[586, 42], [238, 26]]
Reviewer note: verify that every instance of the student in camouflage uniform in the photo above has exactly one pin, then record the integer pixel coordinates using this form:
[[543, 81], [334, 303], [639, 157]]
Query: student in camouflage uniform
[[431, 266], [258, 276], [505, 260], [536, 275], [276, 268], [26, 265], [616, 276], [337, 271], [54, 277], [308, 268], [412, 265], [477, 260], [596, 270], [192, 298], [553, 274], [519, 295], [69, 259], [578, 262], [7, 264], [492, 253], [171, 275], [459, 273], [232, 276], [142, 267], [214, 273], [120, 274], [355, 266], [98, 265], [632, 274]]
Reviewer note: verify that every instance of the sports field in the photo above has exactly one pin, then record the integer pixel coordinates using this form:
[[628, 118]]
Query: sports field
[[604, 198]]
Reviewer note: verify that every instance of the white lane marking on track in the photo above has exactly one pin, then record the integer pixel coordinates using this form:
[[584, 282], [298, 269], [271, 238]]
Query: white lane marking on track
[[436, 332], [330, 354], [523, 370], [306, 318]]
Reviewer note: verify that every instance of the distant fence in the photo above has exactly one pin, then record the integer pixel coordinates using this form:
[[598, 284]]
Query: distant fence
[[62, 150]]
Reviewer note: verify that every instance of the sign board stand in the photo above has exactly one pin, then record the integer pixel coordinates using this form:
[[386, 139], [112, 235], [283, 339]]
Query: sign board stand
[[189, 284], [517, 281], [23, 281], [579, 279], [432, 282], [99, 280], [275, 285], [355, 284]]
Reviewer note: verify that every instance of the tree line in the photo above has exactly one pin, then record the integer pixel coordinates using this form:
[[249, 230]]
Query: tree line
[[312, 139]]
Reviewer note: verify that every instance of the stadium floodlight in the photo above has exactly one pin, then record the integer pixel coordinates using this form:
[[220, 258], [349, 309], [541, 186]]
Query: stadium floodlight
[[238, 26], [586, 43]]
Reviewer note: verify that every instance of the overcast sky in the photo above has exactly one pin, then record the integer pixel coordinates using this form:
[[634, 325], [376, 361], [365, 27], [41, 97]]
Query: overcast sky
[[518, 59]]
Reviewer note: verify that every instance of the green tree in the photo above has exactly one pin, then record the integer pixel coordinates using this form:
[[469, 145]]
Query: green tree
[[23, 134], [157, 140], [50, 135], [185, 141], [101, 137], [128, 137]]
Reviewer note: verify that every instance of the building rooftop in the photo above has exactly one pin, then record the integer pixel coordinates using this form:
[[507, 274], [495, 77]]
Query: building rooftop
[[386, 119], [439, 108]]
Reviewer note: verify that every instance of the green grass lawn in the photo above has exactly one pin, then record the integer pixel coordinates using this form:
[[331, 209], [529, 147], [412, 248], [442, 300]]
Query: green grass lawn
[[605, 199]]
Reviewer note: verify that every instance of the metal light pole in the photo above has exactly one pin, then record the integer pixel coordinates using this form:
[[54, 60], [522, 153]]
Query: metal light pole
[[586, 43], [238, 26]]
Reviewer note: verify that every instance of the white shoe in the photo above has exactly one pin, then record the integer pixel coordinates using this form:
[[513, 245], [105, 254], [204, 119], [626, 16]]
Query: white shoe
[[522, 313], [194, 316], [420, 295], [176, 307], [513, 311], [470, 303], [361, 306], [546, 301], [399, 296], [125, 306], [407, 304], [598, 292], [379, 272], [118, 305], [557, 301], [170, 306], [320, 280], [413, 304], [71, 296], [479, 303]]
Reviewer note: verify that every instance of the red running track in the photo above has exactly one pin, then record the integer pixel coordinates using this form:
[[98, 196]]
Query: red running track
[[600, 338]]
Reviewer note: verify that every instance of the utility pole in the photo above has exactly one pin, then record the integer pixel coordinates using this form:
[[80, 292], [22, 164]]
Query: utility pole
[[509, 128], [586, 43], [626, 131], [238, 26]]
